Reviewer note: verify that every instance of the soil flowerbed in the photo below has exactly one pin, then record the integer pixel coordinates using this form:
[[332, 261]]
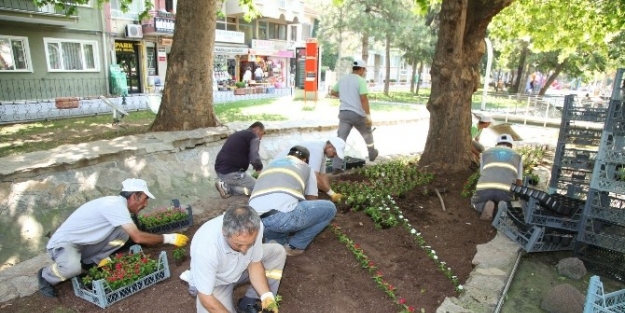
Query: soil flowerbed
[[328, 277]]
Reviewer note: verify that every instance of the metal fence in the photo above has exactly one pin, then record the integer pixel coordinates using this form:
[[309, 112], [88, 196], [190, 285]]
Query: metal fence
[[19, 91]]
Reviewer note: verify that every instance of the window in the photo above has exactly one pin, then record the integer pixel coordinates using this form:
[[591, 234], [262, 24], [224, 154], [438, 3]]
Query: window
[[65, 55], [293, 32], [14, 54], [276, 31], [134, 9], [169, 6], [262, 30]]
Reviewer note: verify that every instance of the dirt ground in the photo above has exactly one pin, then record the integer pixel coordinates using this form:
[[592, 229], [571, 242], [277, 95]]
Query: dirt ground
[[327, 277]]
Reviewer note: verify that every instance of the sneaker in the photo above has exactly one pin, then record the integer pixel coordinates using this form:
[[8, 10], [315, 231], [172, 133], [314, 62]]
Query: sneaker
[[45, 288], [222, 189], [250, 308], [373, 155], [337, 171], [292, 251], [487, 212]]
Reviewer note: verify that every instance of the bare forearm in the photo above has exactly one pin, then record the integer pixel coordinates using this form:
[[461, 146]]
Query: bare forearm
[[323, 183], [258, 278], [147, 238], [365, 104], [211, 304]]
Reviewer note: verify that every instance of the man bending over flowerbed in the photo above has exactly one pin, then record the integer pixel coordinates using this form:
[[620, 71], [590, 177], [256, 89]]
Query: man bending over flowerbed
[[227, 251], [96, 230]]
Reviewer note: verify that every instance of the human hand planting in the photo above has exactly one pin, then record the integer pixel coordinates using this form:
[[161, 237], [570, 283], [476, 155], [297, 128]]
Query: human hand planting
[[177, 240], [336, 197], [269, 303]]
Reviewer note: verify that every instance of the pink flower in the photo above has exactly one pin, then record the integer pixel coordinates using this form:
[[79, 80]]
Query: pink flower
[[410, 309], [402, 301]]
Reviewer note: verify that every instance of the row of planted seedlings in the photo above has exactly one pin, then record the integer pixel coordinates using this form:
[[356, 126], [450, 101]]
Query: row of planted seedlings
[[375, 197]]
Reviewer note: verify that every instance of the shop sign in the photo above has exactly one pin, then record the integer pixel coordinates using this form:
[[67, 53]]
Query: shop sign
[[164, 25], [284, 54], [124, 47], [230, 50], [162, 55], [167, 41], [229, 36], [263, 52], [263, 44]]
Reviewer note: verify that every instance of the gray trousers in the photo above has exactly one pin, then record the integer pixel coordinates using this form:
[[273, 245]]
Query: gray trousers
[[482, 196], [273, 260], [239, 183], [347, 121], [67, 257]]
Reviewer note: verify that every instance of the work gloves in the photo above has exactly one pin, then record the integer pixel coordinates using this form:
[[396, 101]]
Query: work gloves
[[269, 302], [336, 197], [368, 121], [104, 261], [177, 240]]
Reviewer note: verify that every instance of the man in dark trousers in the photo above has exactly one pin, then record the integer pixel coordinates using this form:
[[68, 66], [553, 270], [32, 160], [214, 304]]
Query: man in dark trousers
[[238, 152], [500, 167]]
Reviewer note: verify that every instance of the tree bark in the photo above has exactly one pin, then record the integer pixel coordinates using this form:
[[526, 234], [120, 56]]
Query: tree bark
[[552, 77], [388, 63], [187, 101], [420, 78], [414, 72], [455, 77], [522, 58], [365, 47]]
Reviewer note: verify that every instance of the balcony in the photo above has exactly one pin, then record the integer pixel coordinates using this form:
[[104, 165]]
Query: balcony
[[26, 11]]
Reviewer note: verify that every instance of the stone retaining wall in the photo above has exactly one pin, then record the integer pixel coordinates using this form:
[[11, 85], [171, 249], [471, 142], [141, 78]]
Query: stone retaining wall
[[39, 190]]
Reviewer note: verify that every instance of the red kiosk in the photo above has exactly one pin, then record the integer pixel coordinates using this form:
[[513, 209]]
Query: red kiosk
[[311, 70]]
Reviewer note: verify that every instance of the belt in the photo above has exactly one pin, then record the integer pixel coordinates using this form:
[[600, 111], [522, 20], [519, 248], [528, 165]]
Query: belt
[[269, 213]]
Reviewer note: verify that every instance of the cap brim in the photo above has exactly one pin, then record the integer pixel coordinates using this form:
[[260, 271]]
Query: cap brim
[[340, 153], [149, 194]]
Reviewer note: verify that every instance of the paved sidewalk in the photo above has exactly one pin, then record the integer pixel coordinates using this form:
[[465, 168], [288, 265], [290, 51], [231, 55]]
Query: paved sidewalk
[[397, 133]]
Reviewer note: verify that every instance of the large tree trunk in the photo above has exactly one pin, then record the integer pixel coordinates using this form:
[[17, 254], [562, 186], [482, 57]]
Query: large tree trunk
[[552, 77], [388, 63], [517, 84], [413, 64], [337, 65], [455, 77], [420, 78], [187, 101], [365, 47]]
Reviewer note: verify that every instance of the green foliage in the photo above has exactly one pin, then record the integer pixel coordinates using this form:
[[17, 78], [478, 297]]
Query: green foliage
[[240, 84], [123, 270], [532, 157], [179, 254], [468, 189], [163, 216]]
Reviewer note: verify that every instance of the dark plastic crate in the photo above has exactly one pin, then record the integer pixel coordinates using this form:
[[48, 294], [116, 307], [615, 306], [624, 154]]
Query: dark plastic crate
[[574, 158], [536, 214], [565, 175], [605, 206], [570, 190], [598, 301], [595, 115], [616, 116], [601, 261], [609, 177], [531, 240], [171, 227], [348, 163], [602, 234], [102, 295], [574, 134], [612, 148]]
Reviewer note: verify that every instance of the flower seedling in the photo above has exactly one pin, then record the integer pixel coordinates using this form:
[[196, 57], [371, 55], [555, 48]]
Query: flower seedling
[[123, 270], [179, 254], [163, 216]]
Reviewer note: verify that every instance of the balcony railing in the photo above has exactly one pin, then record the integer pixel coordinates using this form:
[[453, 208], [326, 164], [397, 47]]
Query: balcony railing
[[30, 6]]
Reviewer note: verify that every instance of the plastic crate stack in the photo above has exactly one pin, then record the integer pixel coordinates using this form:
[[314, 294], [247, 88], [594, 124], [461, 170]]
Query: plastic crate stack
[[598, 301], [577, 148], [601, 239], [539, 222]]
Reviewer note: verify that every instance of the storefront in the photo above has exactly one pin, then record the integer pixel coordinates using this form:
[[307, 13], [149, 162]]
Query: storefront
[[229, 47], [127, 58], [274, 62], [158, 34]]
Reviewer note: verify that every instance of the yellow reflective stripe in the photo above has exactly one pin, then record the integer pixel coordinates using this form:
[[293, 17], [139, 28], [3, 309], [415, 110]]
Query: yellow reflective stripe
[[501, 164], [293, 192], [493, 186], [371, 145], [117, 243], [274, 274], [55, 271], [284, 171]]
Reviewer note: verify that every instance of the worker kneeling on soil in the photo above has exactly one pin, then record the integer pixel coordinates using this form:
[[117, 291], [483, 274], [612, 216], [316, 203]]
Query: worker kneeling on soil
[[320, 150], [227, 251], [500, 166], [285, 196], [97, 229], [476, 131]]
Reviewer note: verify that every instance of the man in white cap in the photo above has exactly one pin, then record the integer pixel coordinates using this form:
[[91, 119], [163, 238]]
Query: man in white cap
[[354, 109], [500, 167], [319, 151], [476, 130], [96, 230]]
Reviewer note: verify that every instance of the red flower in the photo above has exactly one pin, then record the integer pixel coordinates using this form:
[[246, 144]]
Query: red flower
[[410, 309], [357, 246], [401, 301], [372, 264]]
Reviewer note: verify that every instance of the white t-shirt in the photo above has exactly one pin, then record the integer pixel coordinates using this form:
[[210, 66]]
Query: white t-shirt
[[213, 262], [247, 76], [258, 72], [350, 87], [92, 222], [317, 159]]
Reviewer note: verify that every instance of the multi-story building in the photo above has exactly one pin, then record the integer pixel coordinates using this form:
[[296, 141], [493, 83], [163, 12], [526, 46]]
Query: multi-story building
[[45, 54]]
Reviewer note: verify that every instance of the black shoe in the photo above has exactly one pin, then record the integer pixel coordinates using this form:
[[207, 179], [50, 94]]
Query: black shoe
[[250, 308], [373, 155], [45, 288]]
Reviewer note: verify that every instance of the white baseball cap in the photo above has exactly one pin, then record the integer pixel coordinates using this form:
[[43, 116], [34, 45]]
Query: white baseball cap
[[359, 63], [486, 118], [135, 185], [339, 145], [507, 138]]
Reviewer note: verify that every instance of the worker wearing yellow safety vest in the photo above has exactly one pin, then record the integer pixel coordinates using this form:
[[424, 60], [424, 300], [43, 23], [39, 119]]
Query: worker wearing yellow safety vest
[[500, 167]]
